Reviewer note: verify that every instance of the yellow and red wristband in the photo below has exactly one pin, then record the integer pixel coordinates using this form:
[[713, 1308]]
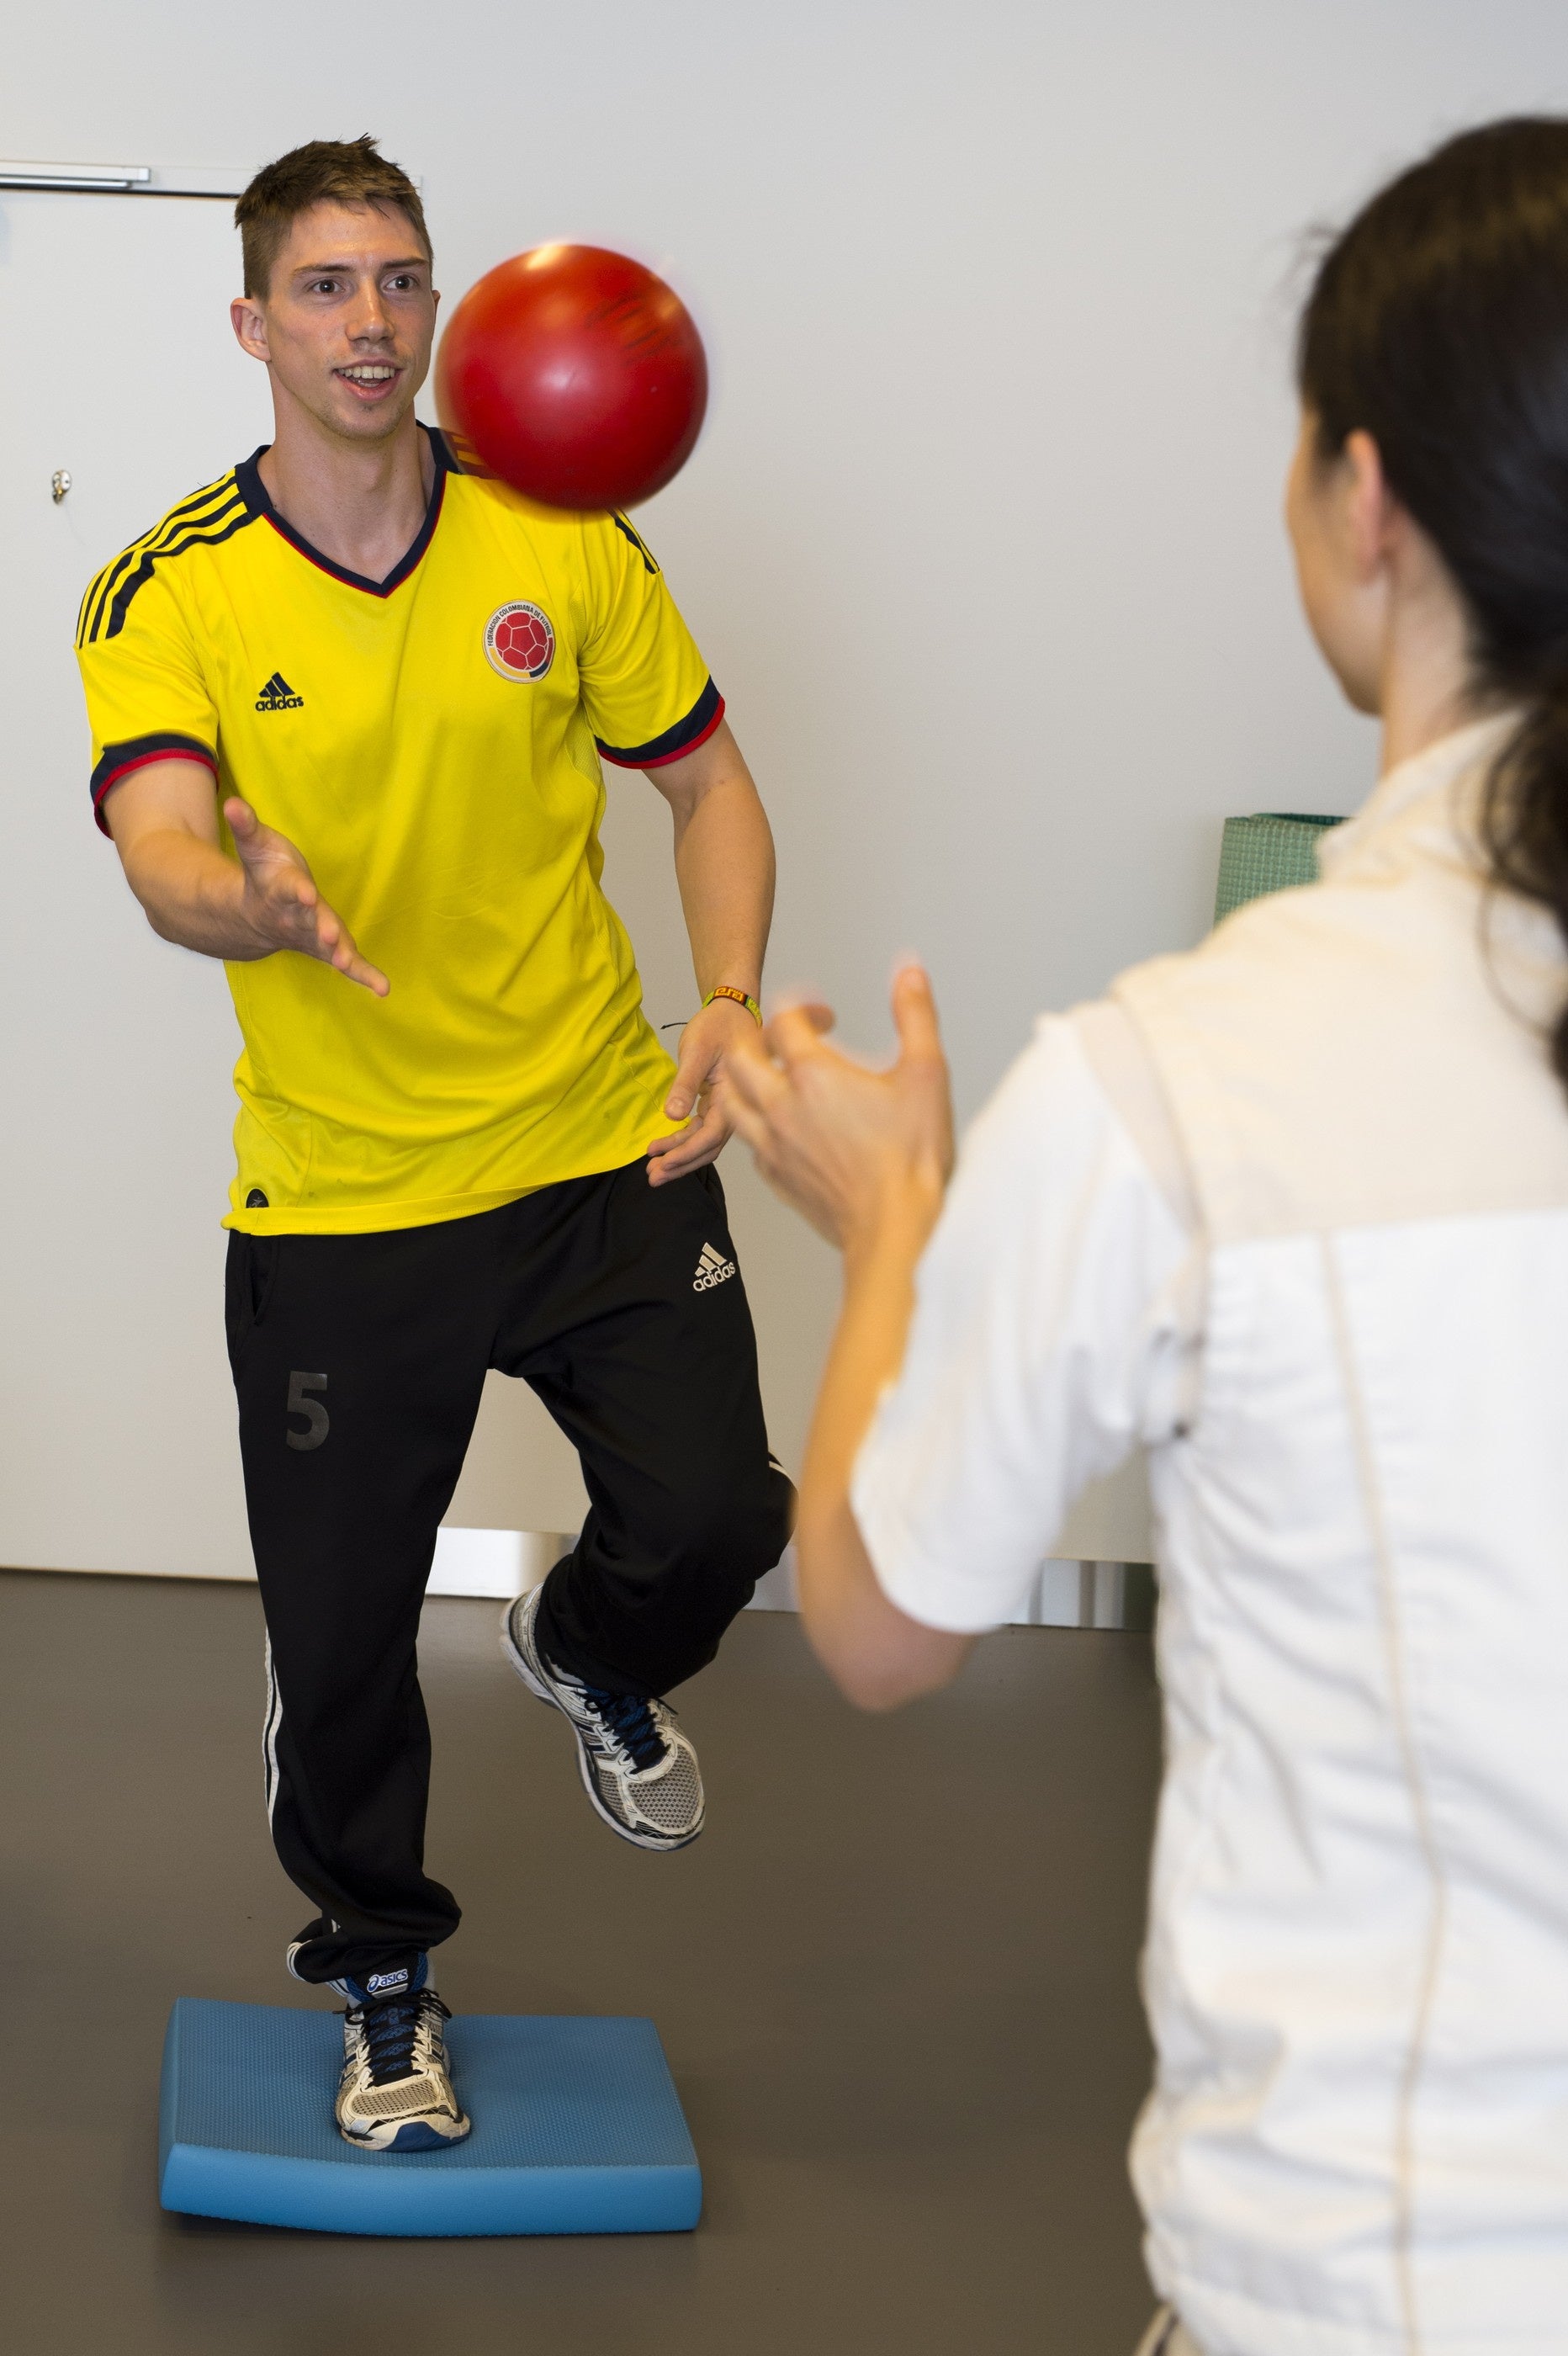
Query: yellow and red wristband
[[741, 996]]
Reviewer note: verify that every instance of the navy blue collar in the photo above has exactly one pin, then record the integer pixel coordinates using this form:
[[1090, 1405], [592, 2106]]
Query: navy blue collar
[[254, 491]]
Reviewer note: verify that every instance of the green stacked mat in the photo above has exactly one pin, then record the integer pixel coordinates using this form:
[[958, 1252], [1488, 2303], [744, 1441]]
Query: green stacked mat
[[1272, 851]]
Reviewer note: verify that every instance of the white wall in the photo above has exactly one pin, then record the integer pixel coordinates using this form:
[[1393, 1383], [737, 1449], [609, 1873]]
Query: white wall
[[981, 537]]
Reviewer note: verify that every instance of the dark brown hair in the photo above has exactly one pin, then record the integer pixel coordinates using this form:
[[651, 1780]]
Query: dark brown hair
[[1438, 324], [326, 172]]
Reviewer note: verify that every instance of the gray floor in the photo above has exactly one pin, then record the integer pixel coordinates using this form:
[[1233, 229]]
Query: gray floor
[[895, 1981]]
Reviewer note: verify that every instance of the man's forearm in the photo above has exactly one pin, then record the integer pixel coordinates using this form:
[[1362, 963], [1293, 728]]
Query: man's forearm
[[193, 894], [724, 866], [166, 828]]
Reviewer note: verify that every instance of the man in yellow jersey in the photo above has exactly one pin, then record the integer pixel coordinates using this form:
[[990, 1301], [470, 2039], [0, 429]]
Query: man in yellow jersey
[[348, 707]]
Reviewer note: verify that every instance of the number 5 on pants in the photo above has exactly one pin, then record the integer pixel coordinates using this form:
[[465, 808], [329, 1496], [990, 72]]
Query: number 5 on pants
[[312, 1410]]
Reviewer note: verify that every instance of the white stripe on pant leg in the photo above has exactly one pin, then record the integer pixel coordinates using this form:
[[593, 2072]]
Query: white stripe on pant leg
[[269, 1736]]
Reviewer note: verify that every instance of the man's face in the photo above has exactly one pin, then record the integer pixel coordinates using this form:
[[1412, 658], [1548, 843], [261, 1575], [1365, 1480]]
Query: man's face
[[347, 323]]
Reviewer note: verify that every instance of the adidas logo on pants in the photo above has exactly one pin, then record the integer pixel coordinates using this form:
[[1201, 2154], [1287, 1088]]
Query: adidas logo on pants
[[711, 1269]]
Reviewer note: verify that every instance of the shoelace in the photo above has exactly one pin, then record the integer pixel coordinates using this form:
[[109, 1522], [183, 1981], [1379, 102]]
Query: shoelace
[[629, 1724], [391, 2030]]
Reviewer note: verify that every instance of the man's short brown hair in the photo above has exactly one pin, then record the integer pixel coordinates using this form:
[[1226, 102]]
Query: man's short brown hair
[[324, 171]]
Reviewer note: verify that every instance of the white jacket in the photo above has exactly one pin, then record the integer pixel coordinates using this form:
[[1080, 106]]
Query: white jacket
[[1351, 1369]]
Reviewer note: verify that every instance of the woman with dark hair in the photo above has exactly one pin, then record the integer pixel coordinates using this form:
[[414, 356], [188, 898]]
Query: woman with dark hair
[[1292, 1211]]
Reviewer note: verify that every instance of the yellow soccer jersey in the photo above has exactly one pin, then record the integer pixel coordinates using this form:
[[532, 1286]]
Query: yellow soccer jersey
[[431, 742]]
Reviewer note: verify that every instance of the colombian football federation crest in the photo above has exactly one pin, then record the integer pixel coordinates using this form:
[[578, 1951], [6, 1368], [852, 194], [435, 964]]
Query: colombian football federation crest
[[518, 640]]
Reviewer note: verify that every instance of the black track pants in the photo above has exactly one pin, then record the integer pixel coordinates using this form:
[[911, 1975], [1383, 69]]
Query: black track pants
[[358, 1361]]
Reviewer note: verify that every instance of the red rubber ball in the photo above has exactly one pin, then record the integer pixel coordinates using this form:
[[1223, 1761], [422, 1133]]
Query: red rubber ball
[[575, 375]]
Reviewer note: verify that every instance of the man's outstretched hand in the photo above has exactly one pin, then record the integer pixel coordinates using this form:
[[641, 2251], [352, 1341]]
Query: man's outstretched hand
[[281, 906], [850, 1148]]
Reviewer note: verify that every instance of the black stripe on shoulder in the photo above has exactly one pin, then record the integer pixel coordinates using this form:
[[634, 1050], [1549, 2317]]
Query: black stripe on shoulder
[[98, 589], [202, 505], [454, 455], [156, 543], [213, 538], [684, 737], [638, 543], [81, 609], [199, 502]]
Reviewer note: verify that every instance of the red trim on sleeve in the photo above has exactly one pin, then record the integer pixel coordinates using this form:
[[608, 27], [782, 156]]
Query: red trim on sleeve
[[171, 753], [664, 758]]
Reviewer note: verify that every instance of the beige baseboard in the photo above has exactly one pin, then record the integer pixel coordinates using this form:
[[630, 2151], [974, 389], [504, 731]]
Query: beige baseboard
[[1066, 1594], [497, 1564]]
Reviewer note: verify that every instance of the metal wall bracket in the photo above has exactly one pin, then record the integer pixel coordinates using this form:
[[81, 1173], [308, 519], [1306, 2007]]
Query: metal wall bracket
[[121, 179]]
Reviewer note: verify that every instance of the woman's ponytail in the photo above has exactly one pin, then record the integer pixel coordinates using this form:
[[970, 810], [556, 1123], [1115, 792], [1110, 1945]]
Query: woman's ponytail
[[1524, 821]]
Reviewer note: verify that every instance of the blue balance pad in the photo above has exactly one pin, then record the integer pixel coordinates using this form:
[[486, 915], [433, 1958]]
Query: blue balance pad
[[577, 2129]]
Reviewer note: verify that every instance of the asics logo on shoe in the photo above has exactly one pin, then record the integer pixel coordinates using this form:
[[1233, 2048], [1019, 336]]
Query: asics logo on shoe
[[712, 1269], [279, 696], [383, 1983]]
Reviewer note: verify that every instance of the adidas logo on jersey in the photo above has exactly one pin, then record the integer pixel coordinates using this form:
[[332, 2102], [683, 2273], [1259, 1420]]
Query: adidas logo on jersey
[[278, 696], [711, 1269]]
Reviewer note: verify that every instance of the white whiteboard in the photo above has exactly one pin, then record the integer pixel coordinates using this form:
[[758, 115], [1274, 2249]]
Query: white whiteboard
[[117, 1436]]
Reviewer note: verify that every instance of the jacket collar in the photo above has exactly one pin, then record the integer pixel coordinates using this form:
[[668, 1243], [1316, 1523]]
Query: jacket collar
[[1428, 777]]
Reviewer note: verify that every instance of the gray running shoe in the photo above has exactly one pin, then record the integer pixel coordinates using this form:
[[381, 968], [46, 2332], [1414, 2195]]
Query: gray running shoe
[[638, 1766], [396, 2091]]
